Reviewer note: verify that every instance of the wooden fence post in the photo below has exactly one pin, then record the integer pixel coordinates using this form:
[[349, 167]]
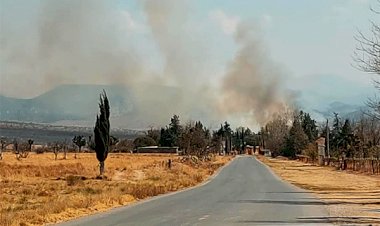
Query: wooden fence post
[[169, 163]]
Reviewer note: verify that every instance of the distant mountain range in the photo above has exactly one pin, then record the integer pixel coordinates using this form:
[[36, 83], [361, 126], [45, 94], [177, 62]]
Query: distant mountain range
[[64, 103], [77, 105], [344, 110], [324, 94]]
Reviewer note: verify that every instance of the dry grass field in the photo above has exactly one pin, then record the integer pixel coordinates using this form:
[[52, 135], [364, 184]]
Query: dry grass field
[[40, 190], [350, 197]]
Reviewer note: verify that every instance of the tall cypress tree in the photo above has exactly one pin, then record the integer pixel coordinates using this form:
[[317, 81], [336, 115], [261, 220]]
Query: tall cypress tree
[[102, 132]]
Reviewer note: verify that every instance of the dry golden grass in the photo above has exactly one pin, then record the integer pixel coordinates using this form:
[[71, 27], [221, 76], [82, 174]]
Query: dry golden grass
[[347, 194], [39, 190]]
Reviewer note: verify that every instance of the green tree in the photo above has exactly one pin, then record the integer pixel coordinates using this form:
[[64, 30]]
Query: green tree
[[335, 135], [166, 139], [296, 140], [251, 140], [102, 132], [309, 126], [238, 140], [144, 141], [227, 135], [170, 135], [30, 143], [175, 129], [349, 142], [195, 139], [248, 132]]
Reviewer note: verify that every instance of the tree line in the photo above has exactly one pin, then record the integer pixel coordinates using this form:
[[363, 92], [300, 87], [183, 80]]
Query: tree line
[[193, 138], [296, 133]]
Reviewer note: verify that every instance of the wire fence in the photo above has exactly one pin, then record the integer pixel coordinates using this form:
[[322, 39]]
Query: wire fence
[[362, 165]]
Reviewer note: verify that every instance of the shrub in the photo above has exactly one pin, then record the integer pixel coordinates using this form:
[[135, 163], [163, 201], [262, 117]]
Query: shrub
[[41, 150], [144, 141], [74, 180], [311, 151]]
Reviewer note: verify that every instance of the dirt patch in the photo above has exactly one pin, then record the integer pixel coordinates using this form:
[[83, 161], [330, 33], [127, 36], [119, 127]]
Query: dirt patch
[[138, 175], [351, 198]]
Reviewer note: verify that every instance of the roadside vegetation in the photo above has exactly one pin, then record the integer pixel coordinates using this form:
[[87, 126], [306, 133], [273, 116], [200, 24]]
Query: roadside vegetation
[[39, 189], [296, 134]]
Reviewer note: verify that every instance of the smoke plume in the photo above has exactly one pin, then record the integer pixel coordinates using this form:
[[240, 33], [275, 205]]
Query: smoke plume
[[252, 85], [92, 42]]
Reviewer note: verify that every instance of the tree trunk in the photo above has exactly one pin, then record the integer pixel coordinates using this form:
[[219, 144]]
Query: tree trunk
[[101, 168], [65, 154], [77, 152]]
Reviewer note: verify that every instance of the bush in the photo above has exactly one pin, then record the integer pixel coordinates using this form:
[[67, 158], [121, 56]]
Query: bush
[[144, 141], [288, 152], [74, 180], [311, 151], [125, 145], [41, 150]]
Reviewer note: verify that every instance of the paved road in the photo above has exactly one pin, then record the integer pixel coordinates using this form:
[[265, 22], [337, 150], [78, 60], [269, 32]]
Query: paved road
[[244, 193]]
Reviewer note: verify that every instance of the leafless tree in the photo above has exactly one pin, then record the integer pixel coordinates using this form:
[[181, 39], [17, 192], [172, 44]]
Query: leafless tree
[[367, 129], [125, 145], [367, 53], [367, 58], [55, 148], [79, 141], [275, 131], [113, 142], [3, 143], [65, 147], [24, 149], [15, 148], [21, 149]]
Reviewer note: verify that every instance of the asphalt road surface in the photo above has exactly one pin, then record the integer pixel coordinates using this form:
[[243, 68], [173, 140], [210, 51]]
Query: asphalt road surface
[[245, 192]]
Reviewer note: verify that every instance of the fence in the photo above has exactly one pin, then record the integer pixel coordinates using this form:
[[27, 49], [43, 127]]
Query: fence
[[362, 165]]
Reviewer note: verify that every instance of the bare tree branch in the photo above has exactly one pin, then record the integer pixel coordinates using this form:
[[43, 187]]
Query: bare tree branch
[[367, 59]]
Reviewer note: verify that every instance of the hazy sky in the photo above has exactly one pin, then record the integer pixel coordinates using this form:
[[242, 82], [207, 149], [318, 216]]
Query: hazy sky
[[310, 43]]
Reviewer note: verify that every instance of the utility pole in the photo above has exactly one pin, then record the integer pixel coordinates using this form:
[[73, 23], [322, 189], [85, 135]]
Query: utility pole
[[328, 138]]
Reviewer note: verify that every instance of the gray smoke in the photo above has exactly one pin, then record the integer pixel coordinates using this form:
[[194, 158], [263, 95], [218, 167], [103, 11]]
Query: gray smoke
[[68, 42], [252, 85], [182, 51], [88, 41]]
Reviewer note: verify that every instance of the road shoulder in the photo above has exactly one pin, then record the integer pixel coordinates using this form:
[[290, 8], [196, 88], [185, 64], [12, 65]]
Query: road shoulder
[[350, 198]]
